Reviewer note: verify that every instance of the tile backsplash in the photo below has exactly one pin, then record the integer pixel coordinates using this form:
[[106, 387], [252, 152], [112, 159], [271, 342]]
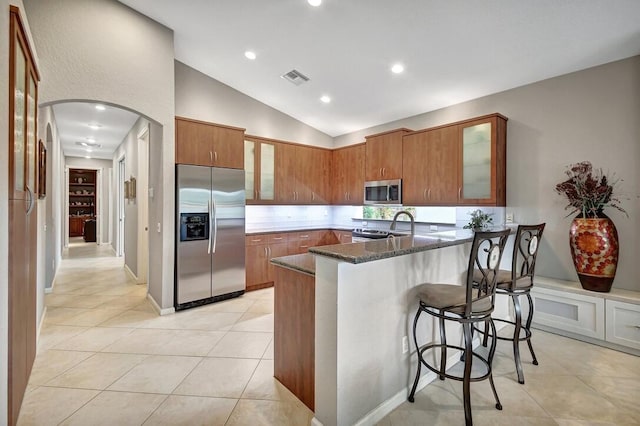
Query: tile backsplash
[[282, 217]]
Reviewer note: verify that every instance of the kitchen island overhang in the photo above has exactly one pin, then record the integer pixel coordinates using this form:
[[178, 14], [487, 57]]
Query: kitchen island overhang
[[365, 299]]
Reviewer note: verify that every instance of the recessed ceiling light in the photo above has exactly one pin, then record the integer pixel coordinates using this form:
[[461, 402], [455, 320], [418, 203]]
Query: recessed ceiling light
[[326, 99], [87, 156], [89, 150], [94, 126], [100, 107], [397, 68], [250, 55], [91, 140], [315, 3]]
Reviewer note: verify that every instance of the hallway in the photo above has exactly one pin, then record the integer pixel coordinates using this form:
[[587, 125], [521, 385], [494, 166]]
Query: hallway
[[106, 358]]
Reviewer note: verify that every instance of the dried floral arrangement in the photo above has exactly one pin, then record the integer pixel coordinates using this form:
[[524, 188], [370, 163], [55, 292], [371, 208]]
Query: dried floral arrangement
[[588, 190]]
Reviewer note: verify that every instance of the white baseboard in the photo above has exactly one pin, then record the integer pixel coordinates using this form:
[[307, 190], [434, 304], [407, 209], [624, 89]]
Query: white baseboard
[[316, 422], [158, 309], [44, 313], [130, 272], [48, 290]]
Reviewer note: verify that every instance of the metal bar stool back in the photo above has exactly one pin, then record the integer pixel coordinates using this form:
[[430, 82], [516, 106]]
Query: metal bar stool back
[[518, 282], [467, 304]]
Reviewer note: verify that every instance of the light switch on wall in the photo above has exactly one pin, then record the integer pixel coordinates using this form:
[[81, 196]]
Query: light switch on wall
[[159, 227]]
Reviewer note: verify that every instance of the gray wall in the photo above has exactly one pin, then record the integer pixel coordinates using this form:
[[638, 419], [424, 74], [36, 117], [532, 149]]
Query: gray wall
[[128, 62], [203, 98], [587, 115], [129, 148]]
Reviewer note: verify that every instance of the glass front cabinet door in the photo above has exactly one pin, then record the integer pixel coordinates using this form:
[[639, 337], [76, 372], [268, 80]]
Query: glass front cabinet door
[[259, 167], [482, 170]]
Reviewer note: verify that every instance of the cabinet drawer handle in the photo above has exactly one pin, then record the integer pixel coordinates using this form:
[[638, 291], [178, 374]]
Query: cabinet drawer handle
[[256, 241], [265, 252], [304, 246], [215, 156], [313, 196], [277, 238], [424, 194], [210, 157], [429, 194], [304, 236], [459, 193]]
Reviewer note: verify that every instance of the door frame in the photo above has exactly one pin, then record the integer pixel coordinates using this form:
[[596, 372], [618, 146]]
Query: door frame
[[143, 205], [120, 205]]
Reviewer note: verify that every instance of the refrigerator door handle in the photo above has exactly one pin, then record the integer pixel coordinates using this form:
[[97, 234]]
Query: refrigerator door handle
[[210, 226], [215, 225]]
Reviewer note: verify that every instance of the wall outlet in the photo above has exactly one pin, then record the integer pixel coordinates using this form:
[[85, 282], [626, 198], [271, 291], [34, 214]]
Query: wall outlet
[[433, 227], [509, 217], [405, 344]]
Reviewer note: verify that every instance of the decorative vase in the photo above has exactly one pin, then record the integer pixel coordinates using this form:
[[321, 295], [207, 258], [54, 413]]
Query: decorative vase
[[594, 250]]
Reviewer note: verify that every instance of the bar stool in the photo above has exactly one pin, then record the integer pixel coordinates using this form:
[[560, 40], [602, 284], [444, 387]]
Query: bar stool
[[467, 305], [515, 283]]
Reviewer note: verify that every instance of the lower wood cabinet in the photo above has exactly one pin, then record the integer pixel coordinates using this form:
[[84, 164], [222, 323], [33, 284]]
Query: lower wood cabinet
[[261, 248]]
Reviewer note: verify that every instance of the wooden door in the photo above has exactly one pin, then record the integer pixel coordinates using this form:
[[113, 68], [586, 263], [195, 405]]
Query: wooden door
[[22, 237]]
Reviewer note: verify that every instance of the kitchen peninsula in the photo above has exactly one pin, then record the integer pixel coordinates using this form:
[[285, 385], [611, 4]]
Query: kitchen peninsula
[[361, 299]]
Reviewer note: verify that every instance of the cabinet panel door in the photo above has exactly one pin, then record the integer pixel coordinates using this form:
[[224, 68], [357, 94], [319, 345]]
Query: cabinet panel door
[[442, 170], [251, 164], [384, 156], [275, 250], [193, 143], [257, 264], [347, 176], [266, 187], [415, 184], [304, 172], [320, 177], [285, 173], [228, 147]]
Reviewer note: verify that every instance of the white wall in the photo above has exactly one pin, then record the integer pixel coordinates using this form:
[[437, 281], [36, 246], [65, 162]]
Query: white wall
[[588, 115], [101, 50], [202, 98]]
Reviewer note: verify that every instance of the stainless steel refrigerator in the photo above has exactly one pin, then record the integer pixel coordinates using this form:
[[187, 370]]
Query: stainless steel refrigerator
[[210, 252]]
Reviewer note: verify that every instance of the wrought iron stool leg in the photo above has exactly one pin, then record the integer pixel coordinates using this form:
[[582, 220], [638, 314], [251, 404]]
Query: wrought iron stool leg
[[492, 352], [415, 340], [516, 337], [529, 319], [443, 348], [466, 381]]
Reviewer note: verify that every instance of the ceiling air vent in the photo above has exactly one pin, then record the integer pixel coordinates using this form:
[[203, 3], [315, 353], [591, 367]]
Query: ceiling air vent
[[296, 77]]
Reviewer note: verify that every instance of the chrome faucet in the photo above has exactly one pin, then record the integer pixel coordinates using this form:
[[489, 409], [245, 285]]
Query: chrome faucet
[[395, 219]]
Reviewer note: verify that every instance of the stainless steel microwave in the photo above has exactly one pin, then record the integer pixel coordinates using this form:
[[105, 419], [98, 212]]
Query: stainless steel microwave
[[383, 192]]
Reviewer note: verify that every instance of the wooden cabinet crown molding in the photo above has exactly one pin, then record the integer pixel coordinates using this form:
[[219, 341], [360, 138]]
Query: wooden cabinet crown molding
[[208, 123]]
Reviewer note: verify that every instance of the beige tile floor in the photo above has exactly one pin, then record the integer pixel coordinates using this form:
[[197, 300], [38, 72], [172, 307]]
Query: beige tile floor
[[105, 357]]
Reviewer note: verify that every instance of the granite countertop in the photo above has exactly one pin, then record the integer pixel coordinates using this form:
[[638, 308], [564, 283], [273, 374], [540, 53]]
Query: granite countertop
[[304, 263], [368, 251]]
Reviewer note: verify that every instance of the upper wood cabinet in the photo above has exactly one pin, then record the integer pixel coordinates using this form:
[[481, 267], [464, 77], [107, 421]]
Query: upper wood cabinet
[[302, 174], [430, 167], [384, 155], [347, 175], [482, 161], [462, 163], [206, 144]]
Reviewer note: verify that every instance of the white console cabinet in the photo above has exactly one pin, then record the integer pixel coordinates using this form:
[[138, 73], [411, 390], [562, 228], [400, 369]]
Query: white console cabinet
[[609, 319]]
